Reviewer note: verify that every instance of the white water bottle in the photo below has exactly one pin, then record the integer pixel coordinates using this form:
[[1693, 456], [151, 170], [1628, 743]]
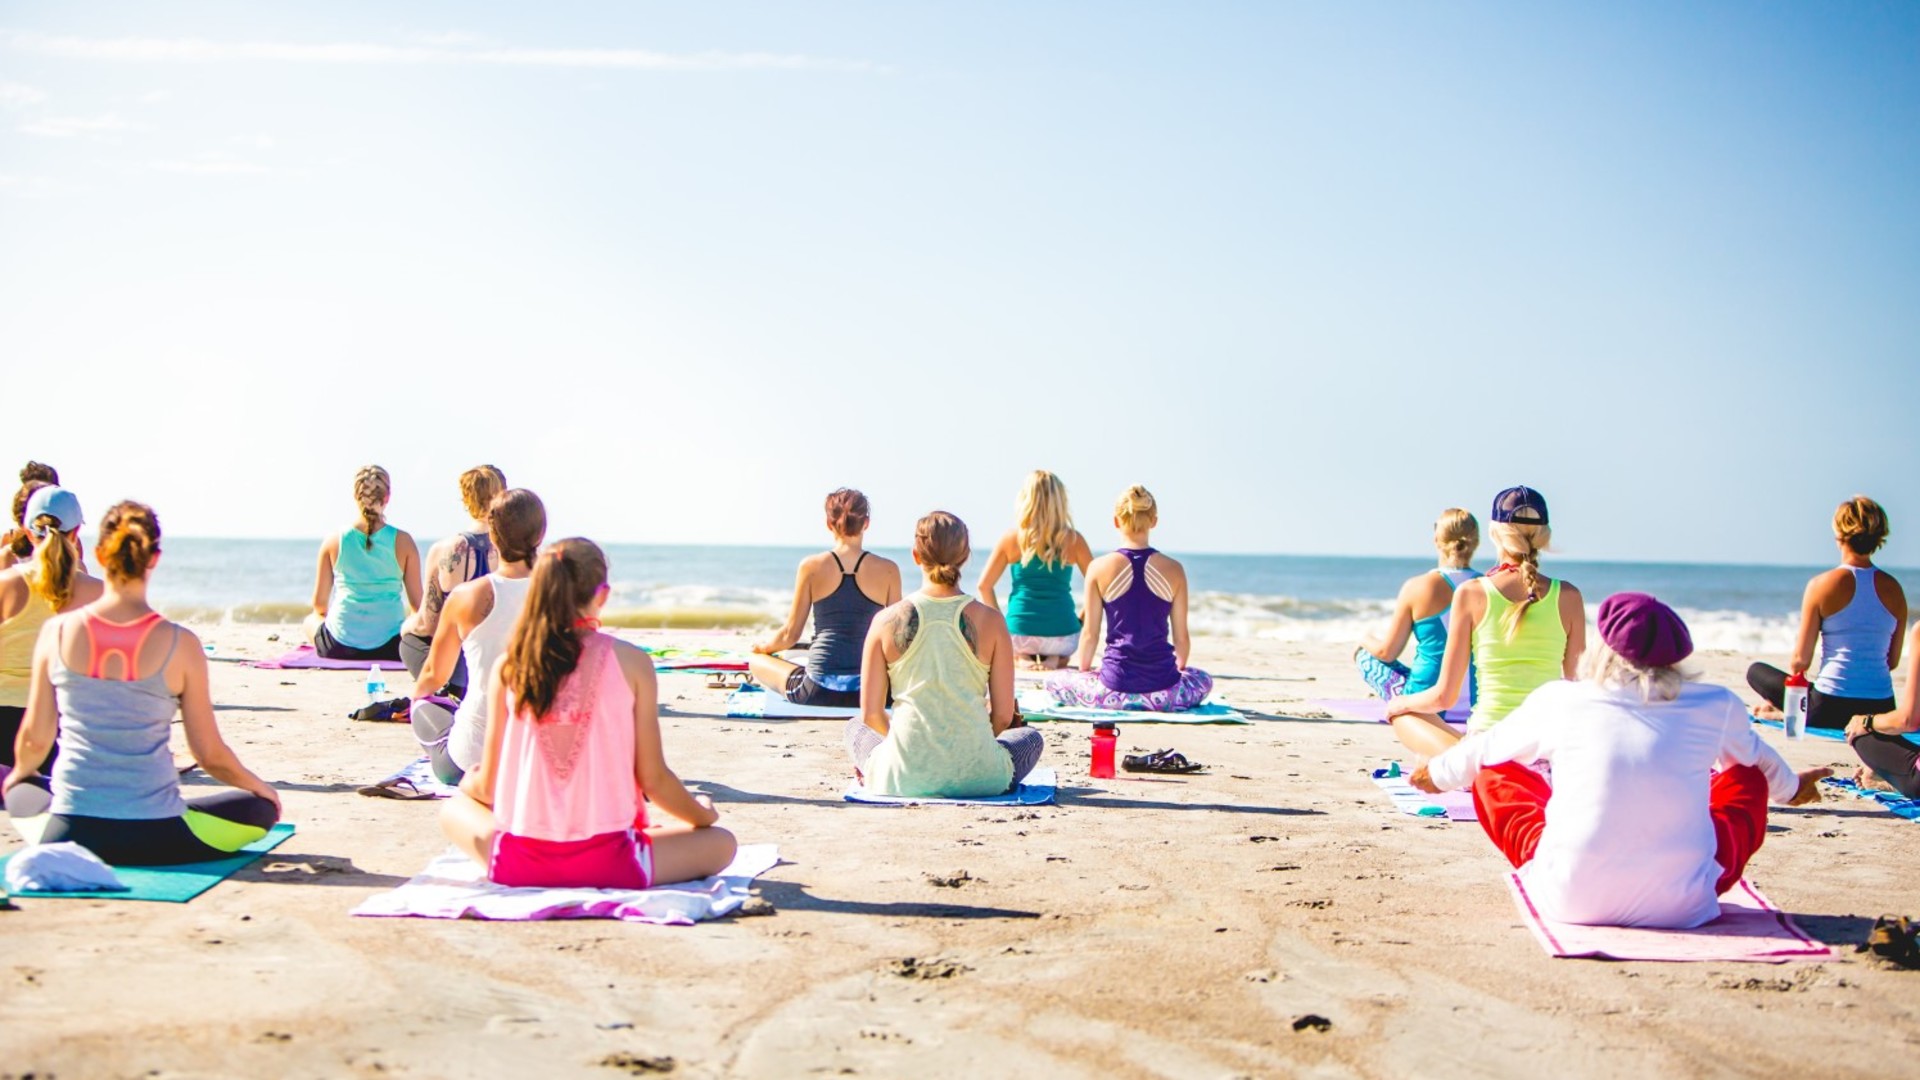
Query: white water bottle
[[376, 683], [1793, 703]]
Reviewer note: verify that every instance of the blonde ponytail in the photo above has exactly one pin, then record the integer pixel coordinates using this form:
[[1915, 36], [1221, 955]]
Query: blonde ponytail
[[54, 565], [1521, 545]]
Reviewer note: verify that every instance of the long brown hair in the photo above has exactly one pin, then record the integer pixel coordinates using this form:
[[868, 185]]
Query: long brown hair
[[129, 539], [545, 647], [20, 539], [371, 489]]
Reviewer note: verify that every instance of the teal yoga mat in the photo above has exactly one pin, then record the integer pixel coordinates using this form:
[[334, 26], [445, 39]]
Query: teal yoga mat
[[172, 884]]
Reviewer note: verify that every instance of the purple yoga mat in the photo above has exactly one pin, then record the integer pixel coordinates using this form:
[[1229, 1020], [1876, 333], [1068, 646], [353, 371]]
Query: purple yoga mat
[[1375, 709], [305, 658]]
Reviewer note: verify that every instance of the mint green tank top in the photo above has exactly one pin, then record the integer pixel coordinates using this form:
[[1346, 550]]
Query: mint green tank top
[[940, 738], [1510, 670], [366, 609], [1040, 601]]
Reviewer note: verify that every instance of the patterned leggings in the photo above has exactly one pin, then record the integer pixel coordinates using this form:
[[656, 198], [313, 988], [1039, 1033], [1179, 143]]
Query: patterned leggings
[[1083, 689], [1022, 744]]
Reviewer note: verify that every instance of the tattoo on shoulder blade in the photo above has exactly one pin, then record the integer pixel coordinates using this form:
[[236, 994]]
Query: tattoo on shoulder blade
[[905, 626], [966, 631]]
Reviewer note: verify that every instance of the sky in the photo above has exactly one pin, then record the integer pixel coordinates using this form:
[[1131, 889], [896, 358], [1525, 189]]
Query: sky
[[1311, 272]]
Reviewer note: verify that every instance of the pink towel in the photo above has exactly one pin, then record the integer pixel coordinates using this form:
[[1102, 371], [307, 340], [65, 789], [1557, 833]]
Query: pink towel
[[1750, 929], [305, 657]]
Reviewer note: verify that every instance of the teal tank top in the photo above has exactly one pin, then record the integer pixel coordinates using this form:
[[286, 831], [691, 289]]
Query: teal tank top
[[1040, 601], [366, 610], [1430, 638]]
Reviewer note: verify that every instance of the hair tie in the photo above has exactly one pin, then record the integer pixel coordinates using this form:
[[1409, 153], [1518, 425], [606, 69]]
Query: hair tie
[[586, 622]]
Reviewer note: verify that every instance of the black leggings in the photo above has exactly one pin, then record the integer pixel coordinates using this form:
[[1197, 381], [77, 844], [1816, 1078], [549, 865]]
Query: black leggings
[[148, 841], [11, 717], [1893, 759], [1822, 711], [332, 648]]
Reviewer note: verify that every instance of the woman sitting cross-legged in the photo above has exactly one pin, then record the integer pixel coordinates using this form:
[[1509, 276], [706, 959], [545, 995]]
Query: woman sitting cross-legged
[[573, 753], [1420, 615], [947, 660], [843, 588], [1878, 740], [1040, 554], [1635, 828], [1141, 597], [474, 631], [109, 678]]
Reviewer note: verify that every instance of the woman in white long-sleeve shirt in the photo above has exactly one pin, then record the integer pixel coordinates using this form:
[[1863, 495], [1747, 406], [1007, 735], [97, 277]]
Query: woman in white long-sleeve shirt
[[1635, 827]]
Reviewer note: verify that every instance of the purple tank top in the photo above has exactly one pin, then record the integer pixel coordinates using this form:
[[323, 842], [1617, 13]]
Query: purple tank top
[[1139, 656]]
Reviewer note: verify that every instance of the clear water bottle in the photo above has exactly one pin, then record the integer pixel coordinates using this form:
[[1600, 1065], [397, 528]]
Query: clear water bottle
[[1793, 703], [376, 684]]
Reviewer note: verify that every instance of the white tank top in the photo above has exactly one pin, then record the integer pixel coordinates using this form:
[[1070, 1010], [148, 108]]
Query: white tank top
[[484, 644]]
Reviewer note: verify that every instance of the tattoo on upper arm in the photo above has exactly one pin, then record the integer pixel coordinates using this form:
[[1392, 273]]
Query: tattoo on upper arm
[[905, 625]]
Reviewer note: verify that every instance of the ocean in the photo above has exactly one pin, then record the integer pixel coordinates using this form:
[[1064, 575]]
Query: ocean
[[1749, 609]]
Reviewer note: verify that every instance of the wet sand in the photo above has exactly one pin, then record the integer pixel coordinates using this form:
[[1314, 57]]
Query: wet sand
[[1143, 927]]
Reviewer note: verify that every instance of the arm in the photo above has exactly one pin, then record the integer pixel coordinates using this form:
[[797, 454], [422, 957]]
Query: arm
[[38, 727], [1090, 626], [1388, 647], [796, 615], [992, 627], [1740, 745], [323, 577], [1899, 610], [990, 576], [478, 784], [408, 553], [1522, 737], [203, 734], [444, 655], [874, 686], [1810, 619], [662, 787], [1573, 617], [1468, 603], [1182, 641]]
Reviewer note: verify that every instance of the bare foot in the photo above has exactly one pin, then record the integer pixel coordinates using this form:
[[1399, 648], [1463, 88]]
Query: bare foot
[[1866, 780], [1768, 711]]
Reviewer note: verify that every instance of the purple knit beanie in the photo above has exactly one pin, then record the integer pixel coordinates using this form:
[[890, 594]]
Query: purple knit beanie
[[1644, 630]]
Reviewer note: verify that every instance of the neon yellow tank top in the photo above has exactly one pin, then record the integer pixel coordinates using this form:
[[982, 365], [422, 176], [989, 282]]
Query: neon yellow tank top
[[1510, 670], [17, 637]]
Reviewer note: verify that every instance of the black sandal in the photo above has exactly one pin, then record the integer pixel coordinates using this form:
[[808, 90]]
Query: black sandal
[[1160, 761]]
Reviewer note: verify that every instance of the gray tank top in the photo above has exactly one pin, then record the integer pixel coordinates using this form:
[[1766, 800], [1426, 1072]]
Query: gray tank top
[[113, 759]]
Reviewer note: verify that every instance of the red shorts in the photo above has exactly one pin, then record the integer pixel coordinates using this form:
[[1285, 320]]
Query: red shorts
[[615, 860]]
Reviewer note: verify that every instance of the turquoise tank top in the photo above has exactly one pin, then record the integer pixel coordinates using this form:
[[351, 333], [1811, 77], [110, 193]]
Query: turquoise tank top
[[1040, 602], [1430, 639], [366, 609]]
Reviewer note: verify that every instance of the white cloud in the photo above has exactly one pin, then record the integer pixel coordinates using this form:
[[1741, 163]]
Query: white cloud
[[14, 95], [15, 186], [71, 127], [200, 50], [210, 165]]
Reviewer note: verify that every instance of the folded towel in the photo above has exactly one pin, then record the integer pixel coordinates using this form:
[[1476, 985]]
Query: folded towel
[[453, 887], [62, 867], [1039, 788]]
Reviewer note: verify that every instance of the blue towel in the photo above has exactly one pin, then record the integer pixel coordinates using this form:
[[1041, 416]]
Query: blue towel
[[1892, 800]]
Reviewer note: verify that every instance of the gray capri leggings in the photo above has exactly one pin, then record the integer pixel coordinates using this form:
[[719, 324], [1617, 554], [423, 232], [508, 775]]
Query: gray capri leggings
[[1022, 744]]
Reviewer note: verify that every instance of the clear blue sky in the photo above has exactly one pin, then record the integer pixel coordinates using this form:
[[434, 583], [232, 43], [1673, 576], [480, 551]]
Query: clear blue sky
[[1311, 272]]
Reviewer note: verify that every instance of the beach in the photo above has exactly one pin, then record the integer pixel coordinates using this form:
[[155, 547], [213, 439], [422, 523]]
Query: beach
[[1141, 927]]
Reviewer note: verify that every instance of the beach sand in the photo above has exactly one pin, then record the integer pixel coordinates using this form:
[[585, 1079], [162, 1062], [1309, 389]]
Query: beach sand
[[1143, 927]]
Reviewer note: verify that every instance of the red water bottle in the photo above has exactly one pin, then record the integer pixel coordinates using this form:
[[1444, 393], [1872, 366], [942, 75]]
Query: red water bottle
[[1105, 737]]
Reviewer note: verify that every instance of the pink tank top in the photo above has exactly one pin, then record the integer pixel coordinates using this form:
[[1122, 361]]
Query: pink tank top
[[570, 774]]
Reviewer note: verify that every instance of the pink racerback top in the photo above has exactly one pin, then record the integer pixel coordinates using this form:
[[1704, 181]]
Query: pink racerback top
[[569, 775]]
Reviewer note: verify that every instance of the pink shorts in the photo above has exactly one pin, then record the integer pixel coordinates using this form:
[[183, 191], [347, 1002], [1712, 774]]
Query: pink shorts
[[615, 860]]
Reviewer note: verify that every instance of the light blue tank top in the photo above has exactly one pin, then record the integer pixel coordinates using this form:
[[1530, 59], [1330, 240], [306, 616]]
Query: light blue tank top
[[1430, 638], [1854, 643], [366, 610], [114, 761]]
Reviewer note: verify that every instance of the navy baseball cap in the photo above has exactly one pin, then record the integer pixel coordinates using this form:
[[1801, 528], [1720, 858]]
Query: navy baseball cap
[[1520, 506]]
